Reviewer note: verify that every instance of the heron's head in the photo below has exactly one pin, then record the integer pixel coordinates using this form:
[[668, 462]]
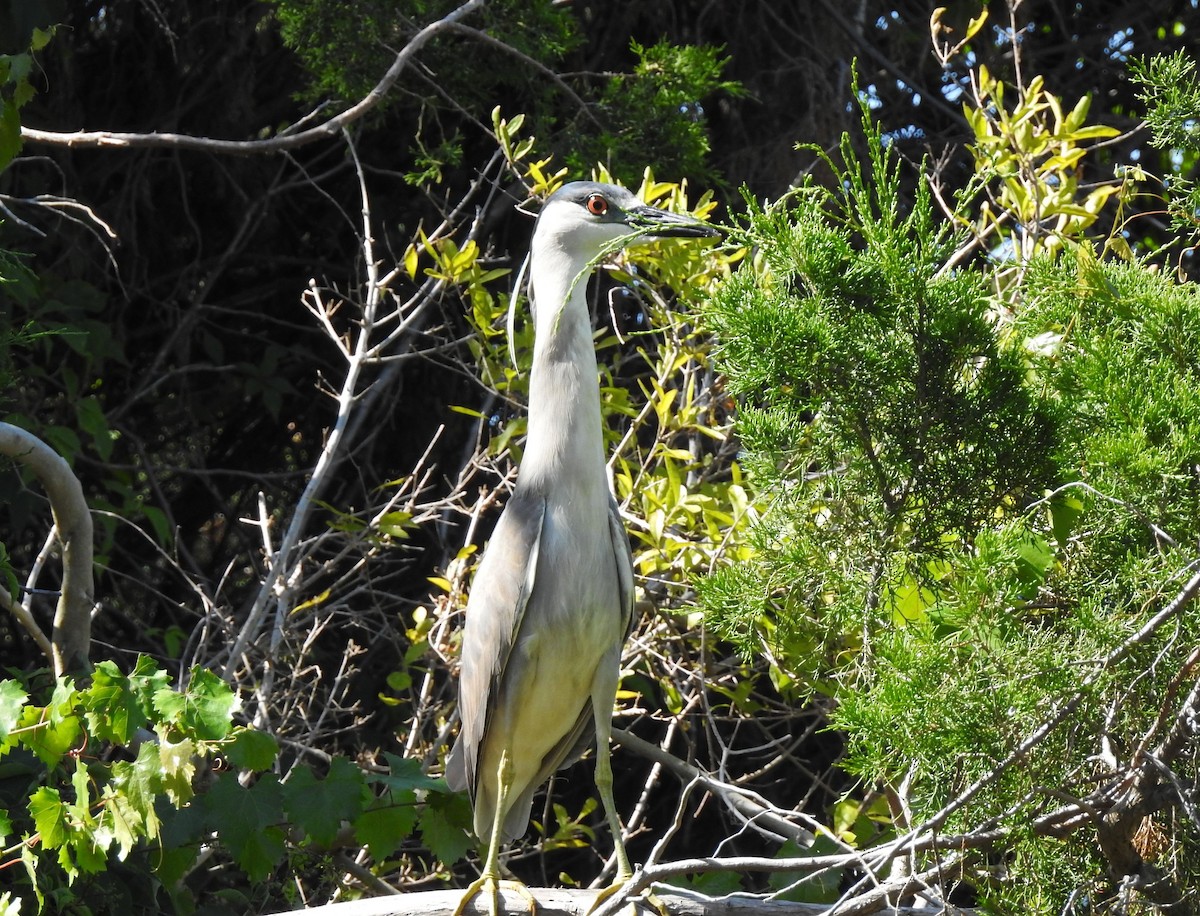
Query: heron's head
[[586, 217]]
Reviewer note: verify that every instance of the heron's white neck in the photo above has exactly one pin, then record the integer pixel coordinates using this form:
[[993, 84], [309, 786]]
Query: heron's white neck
[[565, 443]]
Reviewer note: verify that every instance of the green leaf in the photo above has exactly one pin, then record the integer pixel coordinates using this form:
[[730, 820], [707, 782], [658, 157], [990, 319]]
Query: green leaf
[[183, 829], [252, 749], [171, 864], [1094, 132], [320, 806], [47, 738], [1065, 511], [90, 417], [81, 785], [385, 825], [158, 521], [114, 709], [62, 701], [177, 766], [131, 796], [146, 679], [40, 38], [406, 774], [204, 709], [49, 816], [12, 700], [120, 821], [246, 821], [445, 823], [710, 883]]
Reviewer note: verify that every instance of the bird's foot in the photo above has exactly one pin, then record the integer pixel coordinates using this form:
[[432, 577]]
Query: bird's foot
[[649, 898], [492, 885]]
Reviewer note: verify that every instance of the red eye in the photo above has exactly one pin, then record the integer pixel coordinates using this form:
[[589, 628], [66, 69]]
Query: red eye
[[597, 205]]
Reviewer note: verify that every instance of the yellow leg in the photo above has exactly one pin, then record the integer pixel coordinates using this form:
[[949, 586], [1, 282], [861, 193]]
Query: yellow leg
[[490, 879], [604, 784]]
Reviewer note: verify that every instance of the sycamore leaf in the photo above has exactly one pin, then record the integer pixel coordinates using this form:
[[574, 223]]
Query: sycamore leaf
[[384, 826], [252, 749], [204, 709], [49, 816], [12, 699], [444, 825], [247, 822], [320, 806], [113, 709]]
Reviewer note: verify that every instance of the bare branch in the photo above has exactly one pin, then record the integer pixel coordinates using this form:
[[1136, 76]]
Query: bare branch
[[112, 139], [748, 805], [71, 636]]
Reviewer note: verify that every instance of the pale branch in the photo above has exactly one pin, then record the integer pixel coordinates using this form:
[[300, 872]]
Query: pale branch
[[750, 806], [278, 585], [278, 144], [20, 610], [571, 902], [71, 637]]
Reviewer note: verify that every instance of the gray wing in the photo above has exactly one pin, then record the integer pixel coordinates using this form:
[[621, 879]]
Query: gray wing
[[495, 608], [576, 742], [624, 560]]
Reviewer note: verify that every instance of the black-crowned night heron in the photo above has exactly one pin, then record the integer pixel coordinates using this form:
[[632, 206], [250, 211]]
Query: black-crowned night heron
[[552, 601]]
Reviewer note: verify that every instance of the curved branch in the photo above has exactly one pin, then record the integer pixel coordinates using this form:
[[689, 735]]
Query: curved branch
[[71, 637], [278, 144]]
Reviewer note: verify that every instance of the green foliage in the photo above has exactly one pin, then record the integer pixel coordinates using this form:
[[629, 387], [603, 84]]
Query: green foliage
[[347, 47], [87, 804], [12, 271], [975, 484], [121, 771], [16, 89], [881, 417], [1049, 593], [655, 113], [1170, 89], [1118, 343], [64, 349], [1034, 154]]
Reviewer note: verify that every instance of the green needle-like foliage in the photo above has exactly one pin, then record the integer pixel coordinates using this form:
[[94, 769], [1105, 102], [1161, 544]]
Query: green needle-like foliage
[[879, 411], [981, 504]]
